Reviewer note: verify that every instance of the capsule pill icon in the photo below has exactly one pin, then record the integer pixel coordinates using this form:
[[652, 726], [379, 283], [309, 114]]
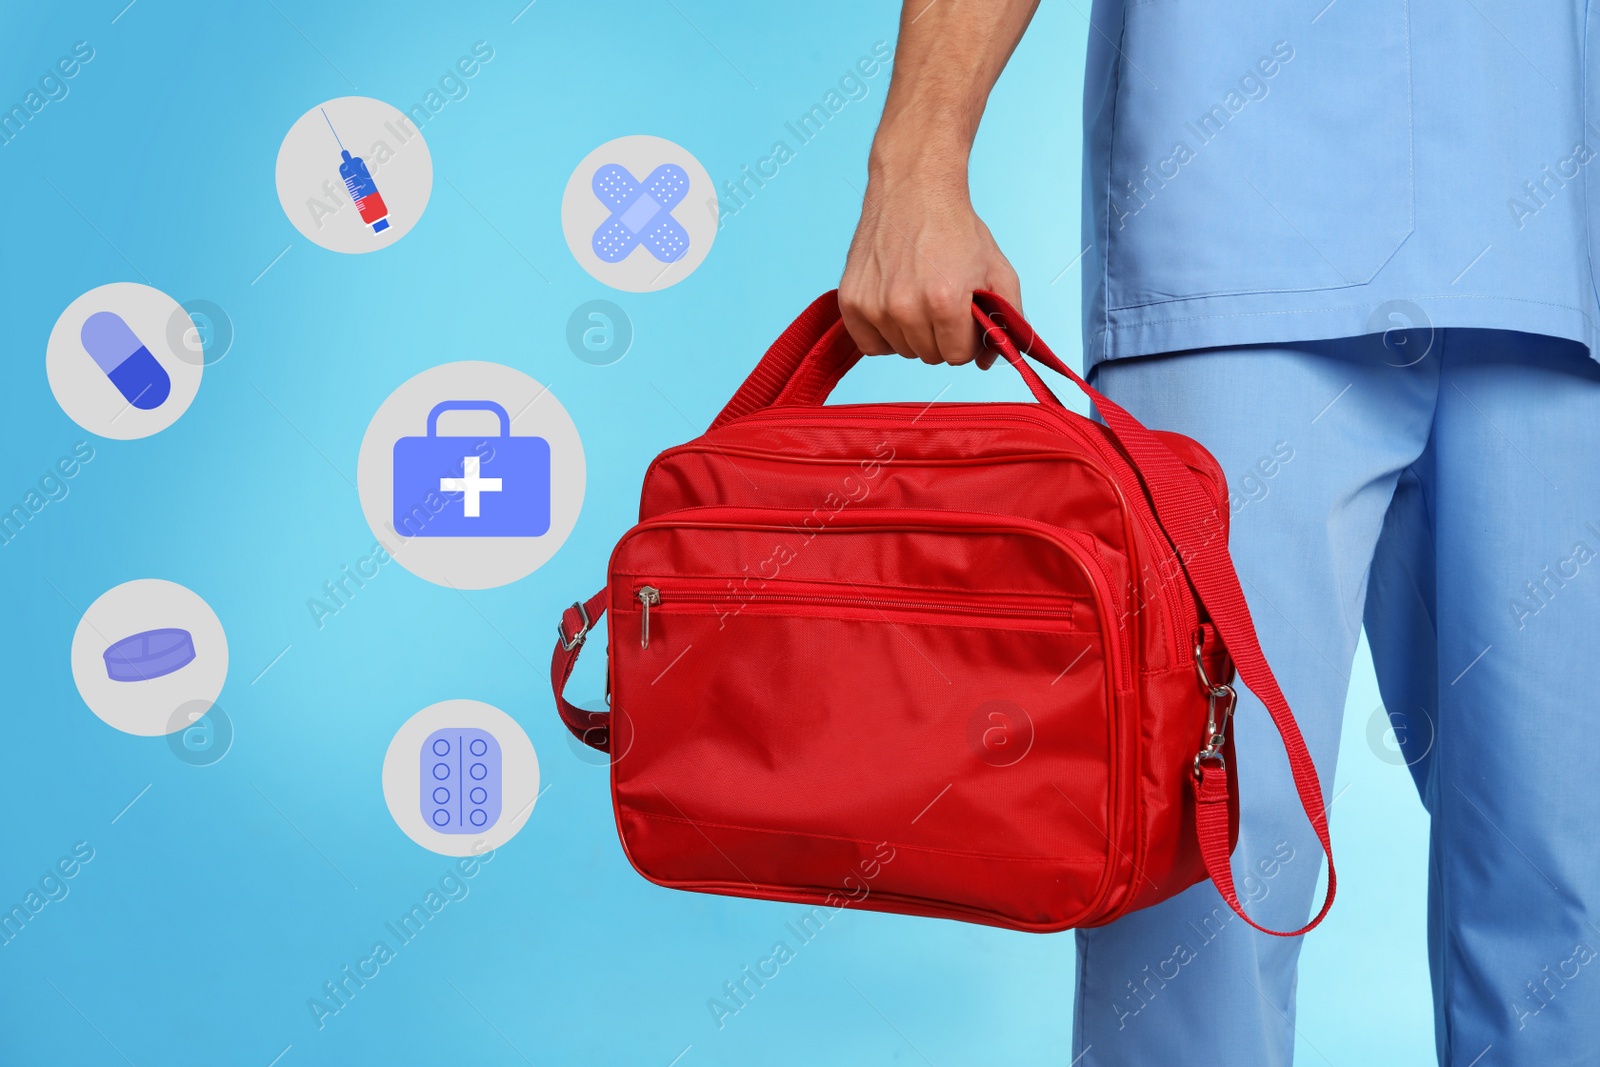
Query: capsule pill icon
[[125, 359]]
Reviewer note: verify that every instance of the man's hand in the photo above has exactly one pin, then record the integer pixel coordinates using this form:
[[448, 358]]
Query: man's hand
[[920, 250], [919, 253]]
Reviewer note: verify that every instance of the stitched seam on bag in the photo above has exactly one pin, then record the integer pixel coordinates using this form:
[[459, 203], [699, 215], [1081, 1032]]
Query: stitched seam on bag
[[697, 823], [927, 906]]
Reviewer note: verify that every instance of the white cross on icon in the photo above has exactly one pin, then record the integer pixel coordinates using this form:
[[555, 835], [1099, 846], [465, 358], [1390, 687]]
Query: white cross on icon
[[470, 484]]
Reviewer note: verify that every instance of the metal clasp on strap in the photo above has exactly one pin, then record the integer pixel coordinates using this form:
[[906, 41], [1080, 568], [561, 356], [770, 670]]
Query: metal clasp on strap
[[1216, 725], [570, 643]]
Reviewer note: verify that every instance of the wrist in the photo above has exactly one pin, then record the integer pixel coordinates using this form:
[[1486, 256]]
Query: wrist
[[926, 166]]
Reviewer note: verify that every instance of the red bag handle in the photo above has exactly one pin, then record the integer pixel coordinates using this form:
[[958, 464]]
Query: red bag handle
[[1188, 517], [815, 325], [807, 361]]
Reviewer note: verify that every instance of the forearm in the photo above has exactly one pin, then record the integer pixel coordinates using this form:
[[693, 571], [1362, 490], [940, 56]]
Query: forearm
[[947, 59], [920, 251]]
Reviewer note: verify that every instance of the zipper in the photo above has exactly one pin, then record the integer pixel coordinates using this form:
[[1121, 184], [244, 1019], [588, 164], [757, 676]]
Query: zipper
[[1089, 551], [1181, 613], [700, 592], [1079, 546], [1180, 609], [649, 596]]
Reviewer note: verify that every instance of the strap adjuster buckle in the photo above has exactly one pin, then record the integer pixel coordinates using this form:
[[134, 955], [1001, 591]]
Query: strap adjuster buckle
[[570, 643]]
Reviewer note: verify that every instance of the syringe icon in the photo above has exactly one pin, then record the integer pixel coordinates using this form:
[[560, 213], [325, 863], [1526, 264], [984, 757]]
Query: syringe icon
[[357, 179]]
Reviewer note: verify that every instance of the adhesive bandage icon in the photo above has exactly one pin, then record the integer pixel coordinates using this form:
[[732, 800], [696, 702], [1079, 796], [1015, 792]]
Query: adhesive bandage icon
[[125, 359], [641, 214], [461, 771]]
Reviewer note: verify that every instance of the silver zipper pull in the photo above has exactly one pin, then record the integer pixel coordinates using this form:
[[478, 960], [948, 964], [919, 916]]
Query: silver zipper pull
[[649, 596]]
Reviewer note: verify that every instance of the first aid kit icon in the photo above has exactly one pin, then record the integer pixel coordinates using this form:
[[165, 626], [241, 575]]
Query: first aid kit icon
[[471, 486]]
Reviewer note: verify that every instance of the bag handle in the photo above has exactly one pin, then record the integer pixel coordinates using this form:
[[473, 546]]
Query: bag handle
[[1188, 517], [811, 328], [810, 357]]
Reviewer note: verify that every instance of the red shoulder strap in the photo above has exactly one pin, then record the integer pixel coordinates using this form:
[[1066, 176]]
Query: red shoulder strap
[[593, 728], [1190, 521]]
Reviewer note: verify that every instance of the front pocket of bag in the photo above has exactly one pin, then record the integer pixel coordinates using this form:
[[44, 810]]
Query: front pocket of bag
[[1255, 149], [804, 702]]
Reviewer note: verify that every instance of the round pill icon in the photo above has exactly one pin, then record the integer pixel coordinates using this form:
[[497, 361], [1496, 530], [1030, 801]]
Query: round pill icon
[[149, 657], [151, 654], [117, 350]]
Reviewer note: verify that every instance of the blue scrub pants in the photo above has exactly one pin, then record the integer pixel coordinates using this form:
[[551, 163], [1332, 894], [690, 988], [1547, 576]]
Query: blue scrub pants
[[1443, 487]]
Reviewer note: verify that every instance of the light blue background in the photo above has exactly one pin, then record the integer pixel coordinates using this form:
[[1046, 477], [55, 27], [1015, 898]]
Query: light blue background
[[222, 900]]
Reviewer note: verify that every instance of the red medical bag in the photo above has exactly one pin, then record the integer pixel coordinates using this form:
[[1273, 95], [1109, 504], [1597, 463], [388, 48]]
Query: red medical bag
[[947, 659]]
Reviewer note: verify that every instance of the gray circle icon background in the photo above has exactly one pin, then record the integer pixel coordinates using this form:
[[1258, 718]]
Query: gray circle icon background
[[519, 775], [157, 705], [84, 391], [314, 196], [471, 562], [582, 213], [599, 333]]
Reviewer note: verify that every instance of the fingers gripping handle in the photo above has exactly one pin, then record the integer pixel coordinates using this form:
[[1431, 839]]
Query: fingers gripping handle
[[813, 354]]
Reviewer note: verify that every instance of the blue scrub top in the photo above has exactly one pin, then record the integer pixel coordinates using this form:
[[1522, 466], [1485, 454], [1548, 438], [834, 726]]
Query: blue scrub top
[[1263, 171]]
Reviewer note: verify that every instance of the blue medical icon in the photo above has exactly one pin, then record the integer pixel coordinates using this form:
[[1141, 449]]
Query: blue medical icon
[[117, 350], [460, 780], [641, 214], [151, 654], [471, 486], [358, 182]]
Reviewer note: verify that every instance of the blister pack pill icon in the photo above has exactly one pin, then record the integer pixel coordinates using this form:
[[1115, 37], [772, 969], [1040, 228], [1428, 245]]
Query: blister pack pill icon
[[125, 359], [460, 780], [641, 214]]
